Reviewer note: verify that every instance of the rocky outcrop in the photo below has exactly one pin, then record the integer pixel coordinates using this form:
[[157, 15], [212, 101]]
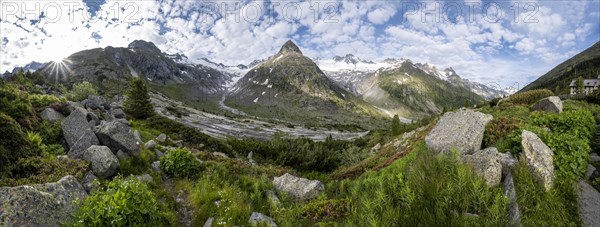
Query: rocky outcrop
[[298, 188], [50, 114], [551, 104], [78, 134], [588, 200], [50, 204], [486, 163], [539, 158], [461, 130], [103, 162], [118, 136], [514, 214], [259, 219], [96, 103]]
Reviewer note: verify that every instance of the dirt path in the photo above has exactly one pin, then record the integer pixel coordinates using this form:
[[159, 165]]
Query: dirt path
[[185, 213]]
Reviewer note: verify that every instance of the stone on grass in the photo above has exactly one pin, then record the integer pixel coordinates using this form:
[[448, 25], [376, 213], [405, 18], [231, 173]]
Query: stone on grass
[[102, 160], [514, 215], [259, 219], [486, 164], [118, 136], [50, 114], [51, 204], [78, 134], [539, 158], [298, 188], [461, 130], [162, 138], [150, 144], [551, 104]]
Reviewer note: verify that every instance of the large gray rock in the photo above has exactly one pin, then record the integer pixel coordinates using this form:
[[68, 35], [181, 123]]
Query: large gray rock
[[298, 188], [461, 130], [259, 219], [88, 182], [486, 163], [514, 215], [50, 114], [551, 104], [96, 102], [118, 136], [118, 113], [78, 134], [48, 204], [102, 160], [539, 158], [588, 199]]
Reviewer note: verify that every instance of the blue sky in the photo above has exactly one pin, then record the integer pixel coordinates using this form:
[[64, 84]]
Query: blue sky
[[509, 43]]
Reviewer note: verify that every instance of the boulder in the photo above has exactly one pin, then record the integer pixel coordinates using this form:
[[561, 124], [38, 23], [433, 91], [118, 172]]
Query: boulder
[[508, 162], [146, 178], [150, 144], [50, 204], [118, 136], [588, 200], [590, 171], [539, 158], [88, 182], [594, 157], [162, 138], [78, 134], [551, 104], [514, 215], [486, 163], [259, 219], [71, 106], [118, 113], [298, 188], [273, 199], [96, 102], [461, 130], [50, 114], [102, 160]]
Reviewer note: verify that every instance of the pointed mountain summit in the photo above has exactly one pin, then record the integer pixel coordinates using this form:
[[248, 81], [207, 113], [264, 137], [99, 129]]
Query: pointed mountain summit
[[291, 86], [290, 47]]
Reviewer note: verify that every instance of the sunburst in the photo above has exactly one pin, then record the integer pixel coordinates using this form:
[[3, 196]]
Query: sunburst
[[59, 70]]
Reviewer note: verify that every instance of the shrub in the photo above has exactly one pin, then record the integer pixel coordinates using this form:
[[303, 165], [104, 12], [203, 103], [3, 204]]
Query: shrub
[[180, 163], [326, 209], [43, 101], [529, 97], [138, 104], [498, 129], [81, 91], [44, 169], [177, 130], [580, 123], [395, 125], [14, 145], [125, 202], [137, 165], [51, 132], [16, 104]]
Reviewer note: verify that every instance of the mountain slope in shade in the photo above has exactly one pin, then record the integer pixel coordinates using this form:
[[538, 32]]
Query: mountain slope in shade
[[291, 86], [110, 68], [585, 64]]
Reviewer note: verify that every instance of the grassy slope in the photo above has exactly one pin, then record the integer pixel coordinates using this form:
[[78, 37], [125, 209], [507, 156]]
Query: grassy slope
[[585, 64]]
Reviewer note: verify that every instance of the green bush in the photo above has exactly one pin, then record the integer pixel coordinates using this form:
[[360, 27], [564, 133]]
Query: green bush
[[180, 163], [529, 97], [81, 91], [16, 104], [51, 132], [43, 101], [44, 169], [320, 210], [498, 129], [424, 189], [580, 123], [137, 165], [124, 202], [14, 145]]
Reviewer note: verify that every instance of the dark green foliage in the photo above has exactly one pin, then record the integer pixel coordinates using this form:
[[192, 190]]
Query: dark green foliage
[[395, 125], [320, 210], [423, 189], [558, 207], [137, 165], [44, 169], [124, 202], [51, 132], [13, 145], [594, 97], [180, 163], [16, 104], [498, 129], [177, 130], [138, 104], [579, 85], [40, 102], [529, 97]]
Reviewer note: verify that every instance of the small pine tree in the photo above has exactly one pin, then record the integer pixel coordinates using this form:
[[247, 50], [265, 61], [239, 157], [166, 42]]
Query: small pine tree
[[396, 125], [467, 104], [580, 85], [138, 104]]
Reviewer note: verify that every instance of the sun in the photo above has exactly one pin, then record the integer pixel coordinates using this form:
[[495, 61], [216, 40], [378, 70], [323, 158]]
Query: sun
[[59, 69]]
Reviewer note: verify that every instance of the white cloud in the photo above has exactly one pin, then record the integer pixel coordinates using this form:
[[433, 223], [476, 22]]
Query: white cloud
[[381, 15]]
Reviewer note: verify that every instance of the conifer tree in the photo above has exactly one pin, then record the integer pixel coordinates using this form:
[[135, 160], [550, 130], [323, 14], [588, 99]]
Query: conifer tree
[[138, 104], [395, 125]]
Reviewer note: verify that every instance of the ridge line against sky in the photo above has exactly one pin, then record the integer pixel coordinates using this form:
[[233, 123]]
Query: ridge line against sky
[[510, 43]]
